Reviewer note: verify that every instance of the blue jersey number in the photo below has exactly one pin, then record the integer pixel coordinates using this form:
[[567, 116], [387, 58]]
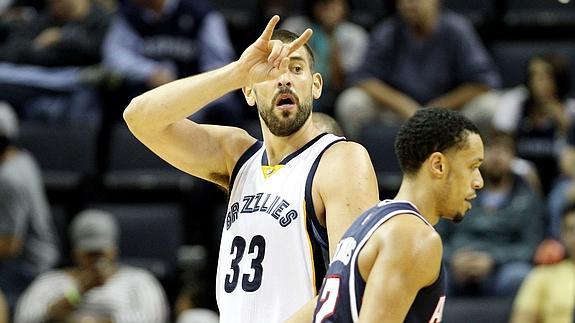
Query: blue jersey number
[[258, 248]]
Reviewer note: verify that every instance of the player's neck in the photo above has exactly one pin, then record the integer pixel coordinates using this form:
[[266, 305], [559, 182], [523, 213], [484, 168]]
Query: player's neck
[[411, 191], [277, 148]]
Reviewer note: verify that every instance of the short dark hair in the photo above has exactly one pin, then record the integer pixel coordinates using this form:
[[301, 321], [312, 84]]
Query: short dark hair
[[559, 71], [287, 36], [4, 143], [430, 130]]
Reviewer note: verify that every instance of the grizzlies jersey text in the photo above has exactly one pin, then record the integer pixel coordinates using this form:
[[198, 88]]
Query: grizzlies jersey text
[[342, 290], [271, 252]]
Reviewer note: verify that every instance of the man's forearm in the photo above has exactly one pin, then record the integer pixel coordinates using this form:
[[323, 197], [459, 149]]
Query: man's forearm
[[304, 314], [164, 105], [457, 98], [389, 97]]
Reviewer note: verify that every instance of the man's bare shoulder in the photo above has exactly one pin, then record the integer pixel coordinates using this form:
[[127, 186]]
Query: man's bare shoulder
[[233, 139], [345, 156], [411, 237], [233, 142]]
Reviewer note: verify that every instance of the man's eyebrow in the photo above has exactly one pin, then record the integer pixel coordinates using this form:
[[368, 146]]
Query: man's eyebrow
[[297, 58]]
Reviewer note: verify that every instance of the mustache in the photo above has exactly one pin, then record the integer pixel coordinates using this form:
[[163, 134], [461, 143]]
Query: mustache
[[284, 91]]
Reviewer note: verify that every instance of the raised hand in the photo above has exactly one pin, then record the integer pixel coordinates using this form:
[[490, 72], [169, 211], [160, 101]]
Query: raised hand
[[267, 59]]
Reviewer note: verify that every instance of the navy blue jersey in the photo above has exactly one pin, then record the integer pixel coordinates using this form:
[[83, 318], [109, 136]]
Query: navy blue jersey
[[342, 290]]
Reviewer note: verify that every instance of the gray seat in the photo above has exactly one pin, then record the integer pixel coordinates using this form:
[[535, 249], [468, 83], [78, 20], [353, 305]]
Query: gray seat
[[512, 57], [379, 141], [367, 13], [537, 13], [479, 12], [65, 152], [132, 166], [477, 310], [150, 235]]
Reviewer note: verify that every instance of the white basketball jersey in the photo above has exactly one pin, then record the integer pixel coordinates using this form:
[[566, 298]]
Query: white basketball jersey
[[272, 248]]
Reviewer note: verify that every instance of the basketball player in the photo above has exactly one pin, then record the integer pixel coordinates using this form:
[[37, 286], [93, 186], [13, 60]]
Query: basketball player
[[387, 267], [292, 196]]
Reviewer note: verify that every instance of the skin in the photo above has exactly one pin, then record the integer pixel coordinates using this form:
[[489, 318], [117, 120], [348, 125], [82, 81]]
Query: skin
[[473, 265], [532, 315], [396, 265], [10, 245], [93, 269], [547, 104], [341, 190], [421, 17], [395, 274]]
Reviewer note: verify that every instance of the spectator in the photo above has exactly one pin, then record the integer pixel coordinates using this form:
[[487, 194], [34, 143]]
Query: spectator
[[40, 70], [153, 42], [27, 238], [538, 114], [97, 288], [562, 194], [339, 45], [490, 252], [4, 312], [423, 56], [564, 191], [546, 295]]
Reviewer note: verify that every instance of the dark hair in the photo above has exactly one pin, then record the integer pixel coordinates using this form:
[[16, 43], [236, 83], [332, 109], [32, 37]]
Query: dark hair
[[430, 130], [287, 36], [4, 143], [496, 136], [559, 72]]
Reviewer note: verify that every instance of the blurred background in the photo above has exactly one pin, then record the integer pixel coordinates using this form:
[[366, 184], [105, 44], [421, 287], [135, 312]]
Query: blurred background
[[68, 68]]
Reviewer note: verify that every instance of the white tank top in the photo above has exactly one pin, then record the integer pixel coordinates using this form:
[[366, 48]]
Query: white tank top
[[272, 247]]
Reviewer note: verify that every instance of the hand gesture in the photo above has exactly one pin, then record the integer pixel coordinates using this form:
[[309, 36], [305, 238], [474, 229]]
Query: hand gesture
[[267, 59]]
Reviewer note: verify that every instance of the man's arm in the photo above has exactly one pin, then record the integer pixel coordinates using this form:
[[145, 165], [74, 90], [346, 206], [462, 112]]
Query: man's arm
[[405, 256], [158, 117], [304, 314], [390, 97], [459, 96], [347, 186], [121, 53]]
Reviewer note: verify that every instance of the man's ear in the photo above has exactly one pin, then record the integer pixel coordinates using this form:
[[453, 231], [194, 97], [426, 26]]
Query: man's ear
[[437, 165], [249, 94], [317, 85]]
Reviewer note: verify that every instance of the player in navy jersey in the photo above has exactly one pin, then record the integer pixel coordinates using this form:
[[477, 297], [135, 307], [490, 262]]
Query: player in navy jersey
[[387, 266]]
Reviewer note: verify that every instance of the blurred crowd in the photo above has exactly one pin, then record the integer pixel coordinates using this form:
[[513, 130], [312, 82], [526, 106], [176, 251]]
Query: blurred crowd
[[68, 64]]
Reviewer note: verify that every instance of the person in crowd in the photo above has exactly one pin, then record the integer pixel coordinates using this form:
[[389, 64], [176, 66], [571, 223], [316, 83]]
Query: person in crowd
[[153, 42], [539, 114], [28, 243], [97, 288], [48, 64], [546, 295], [490, 252], [338, 43], [422, 56]]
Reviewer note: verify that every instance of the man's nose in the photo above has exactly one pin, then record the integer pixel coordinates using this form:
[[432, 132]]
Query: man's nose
[[284, 80]]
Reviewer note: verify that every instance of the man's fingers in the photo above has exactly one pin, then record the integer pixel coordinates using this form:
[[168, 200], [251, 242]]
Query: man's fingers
[[283, 54], [267, 33], [276, 48], [301, 40]]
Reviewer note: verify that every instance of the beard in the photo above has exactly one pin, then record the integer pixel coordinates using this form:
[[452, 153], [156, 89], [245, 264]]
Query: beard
[[458, 218], [284, 126]]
